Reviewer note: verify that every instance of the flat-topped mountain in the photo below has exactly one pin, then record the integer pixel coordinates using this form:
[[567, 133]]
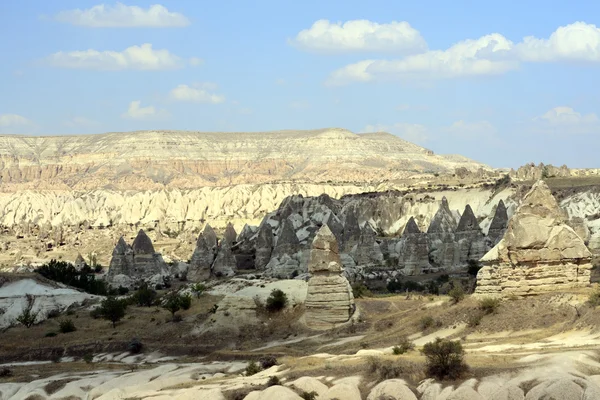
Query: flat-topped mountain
[[181, 159]]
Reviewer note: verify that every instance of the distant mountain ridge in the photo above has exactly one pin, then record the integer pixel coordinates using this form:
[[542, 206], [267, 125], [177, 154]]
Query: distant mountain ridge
[[147, 160]]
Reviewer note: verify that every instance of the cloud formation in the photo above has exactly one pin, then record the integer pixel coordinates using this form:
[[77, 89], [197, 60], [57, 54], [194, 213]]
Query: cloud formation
[[13, 120], [492, 54], [123, 16], [566, 116], [198, 93], [136, 111], [142, 57], [360, 35], [414, 133]]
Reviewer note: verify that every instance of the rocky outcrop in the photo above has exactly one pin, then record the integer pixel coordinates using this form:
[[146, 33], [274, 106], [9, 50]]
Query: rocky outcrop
[[540, 171], [264, 246], [287, 242], [225, 263], [136, 262], [539, 252], [499, 224], [413, 250], [472, 244], [329, 300], [230, 234], [367, 251], [210, 236], [201, 261], [79, 262], [443, 250]]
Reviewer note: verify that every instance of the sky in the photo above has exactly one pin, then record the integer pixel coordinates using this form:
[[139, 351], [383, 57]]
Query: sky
[[503, 83]]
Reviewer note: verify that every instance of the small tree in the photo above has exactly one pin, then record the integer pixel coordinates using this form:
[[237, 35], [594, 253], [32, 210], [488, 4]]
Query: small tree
[[28, 317], [457, 293], [445, 358], [113, 309], [144, 296], [198, 289], [172, 302], [276, 301]]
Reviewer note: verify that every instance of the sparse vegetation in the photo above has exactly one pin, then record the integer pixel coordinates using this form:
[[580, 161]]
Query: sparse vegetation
[[252, 368], [457, 293], [27, 317], [198, 289], [174, 302], [273, 381], [426, 322], [404, 346], [489, 305], [276, 301], [267, 362], [309, 396], [359, 290], [66, 326], [594, 297], [113, 309], [382, 369], [445, 359], [64, 272], [144, 296]]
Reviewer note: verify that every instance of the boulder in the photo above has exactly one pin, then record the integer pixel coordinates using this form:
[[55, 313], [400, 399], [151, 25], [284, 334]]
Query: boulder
[[538, 253], [329, 299], [392, 389]]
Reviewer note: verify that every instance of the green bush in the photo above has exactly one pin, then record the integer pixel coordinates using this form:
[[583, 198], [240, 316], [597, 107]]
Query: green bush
[[267, 362], [252, 368], [445, 359], [474, 319], [66, 325], [64, 272], [50, 334], [404, 346], [112, 309], [144, 296], [594, 297], [88, 358], [489, 305], [359, 290], [426, 322], [27, 316], [273, 381], [198, 289], [186, 301], [457, 293], [276, 301], [309, 396]]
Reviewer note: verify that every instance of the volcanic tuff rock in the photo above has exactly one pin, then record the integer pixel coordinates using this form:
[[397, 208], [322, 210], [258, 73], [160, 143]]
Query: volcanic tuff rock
[[443, 252], [329, 300], [179, 159], [499, 223], [136, 262], [472, 244], [538, 253], [225, 263], [264, 246], [413, 250]]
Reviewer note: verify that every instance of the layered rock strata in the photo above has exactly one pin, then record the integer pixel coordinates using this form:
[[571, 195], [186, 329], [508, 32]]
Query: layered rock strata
[[538, 253], [329, 299]]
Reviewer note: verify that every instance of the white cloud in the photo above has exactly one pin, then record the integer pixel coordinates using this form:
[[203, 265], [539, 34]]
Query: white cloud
[[122, 16], [566, 115], [574, 42], [492, 54], [198, 93], [466, 58], [136, 111], [414, 133], [13, 120], [195, 61], [360, 35], [472, 130], [80, 122], [142, 57]]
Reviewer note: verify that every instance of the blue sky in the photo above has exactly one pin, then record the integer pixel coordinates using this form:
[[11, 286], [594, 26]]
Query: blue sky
[[503, 83]]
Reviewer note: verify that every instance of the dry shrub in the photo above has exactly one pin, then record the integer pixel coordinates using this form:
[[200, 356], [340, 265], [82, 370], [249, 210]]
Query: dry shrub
[[381, 369]]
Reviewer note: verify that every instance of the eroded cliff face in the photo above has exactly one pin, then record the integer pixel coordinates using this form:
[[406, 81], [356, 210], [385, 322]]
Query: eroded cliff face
[[153, 160]]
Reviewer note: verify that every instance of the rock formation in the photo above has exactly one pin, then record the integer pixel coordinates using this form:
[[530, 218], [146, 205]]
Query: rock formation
[[136, 262], [470, 239], [367, 251], [498, 224], [264, 246], [413, 250], [230, 234], [79, 262], [443, 251], [210, 236], [538, 253], [201, 261], [329, 300], [225, 263], [287, 241]]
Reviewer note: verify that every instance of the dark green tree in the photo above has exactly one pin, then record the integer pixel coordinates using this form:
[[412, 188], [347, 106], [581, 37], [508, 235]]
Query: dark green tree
[[113, 309]]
